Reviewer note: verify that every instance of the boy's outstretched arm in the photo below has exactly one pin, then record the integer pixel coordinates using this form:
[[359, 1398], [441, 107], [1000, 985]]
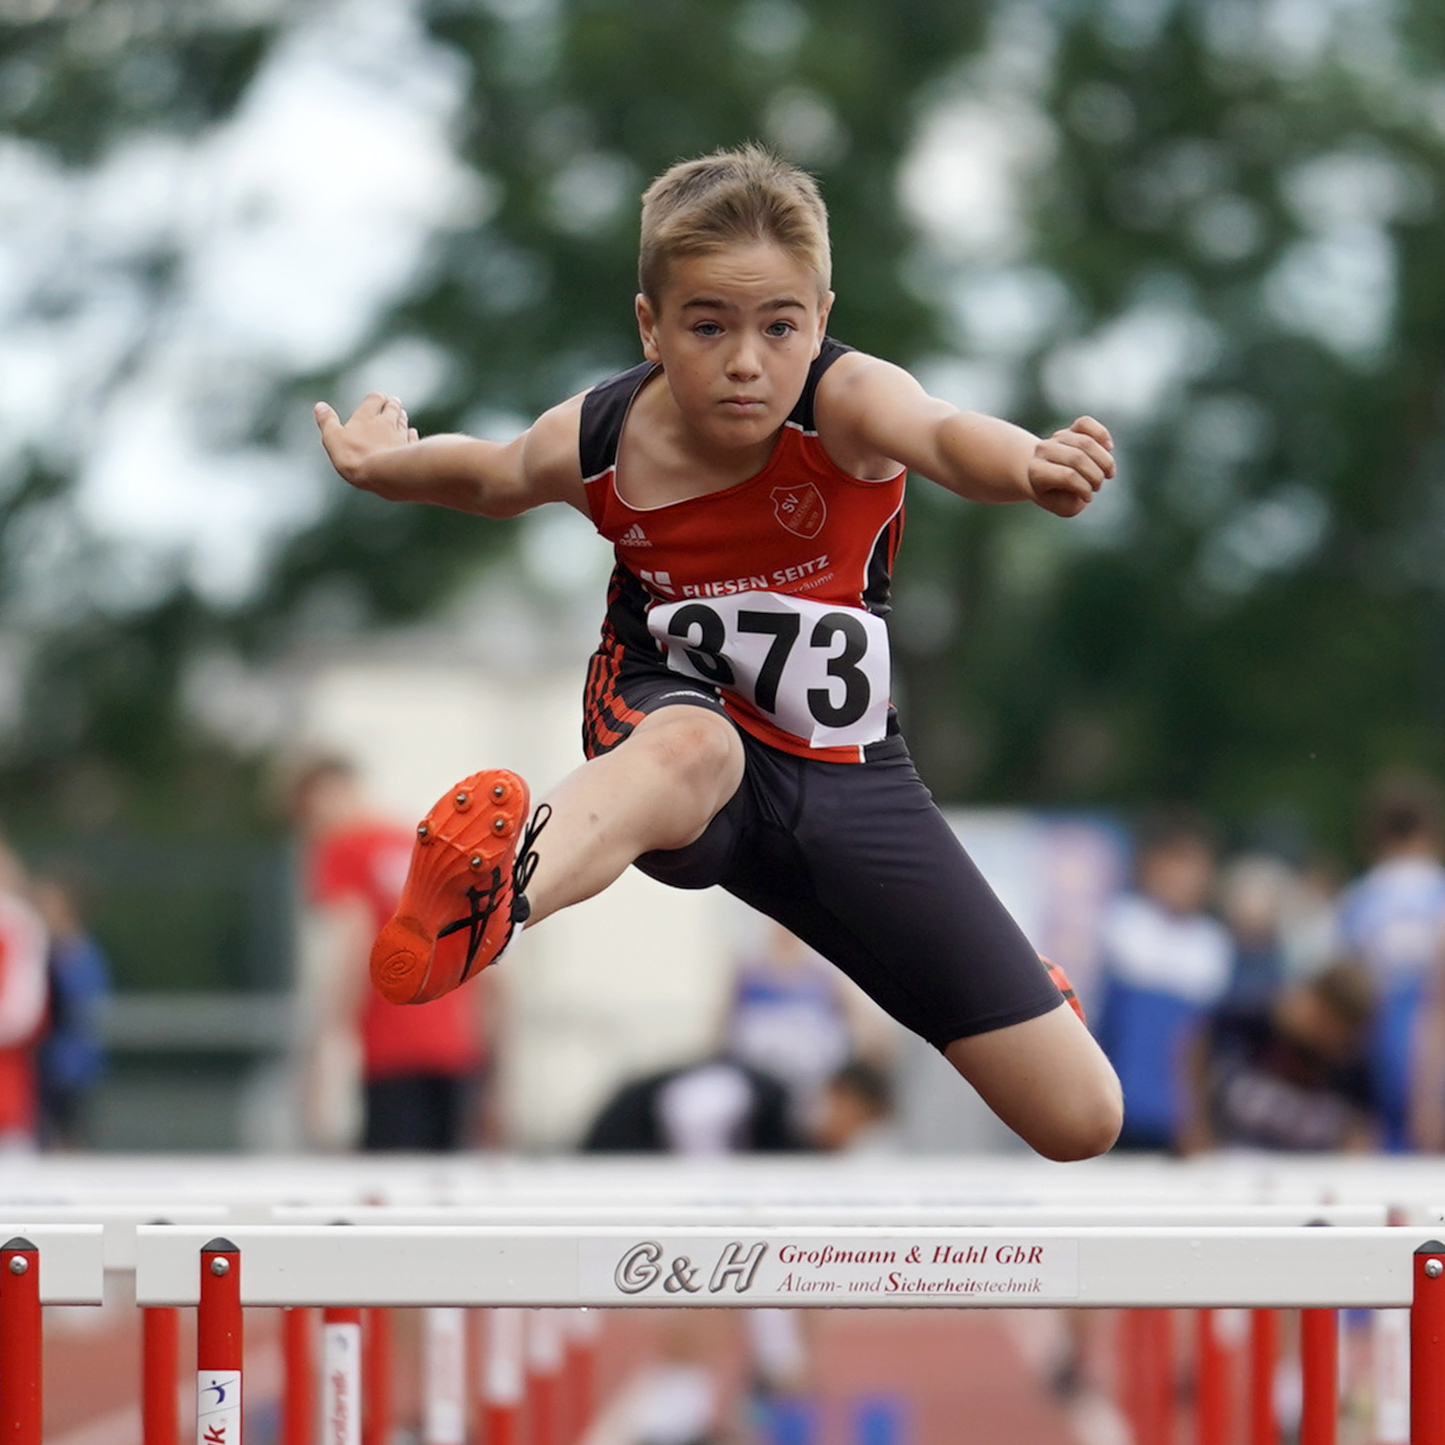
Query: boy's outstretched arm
[[378, 450], [878, 412]]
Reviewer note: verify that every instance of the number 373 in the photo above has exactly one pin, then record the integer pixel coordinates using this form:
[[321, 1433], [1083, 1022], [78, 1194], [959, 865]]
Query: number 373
[[820, 672]]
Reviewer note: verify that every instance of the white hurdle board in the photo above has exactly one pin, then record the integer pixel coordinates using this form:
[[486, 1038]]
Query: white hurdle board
[[71, 1263], [609, 1265]]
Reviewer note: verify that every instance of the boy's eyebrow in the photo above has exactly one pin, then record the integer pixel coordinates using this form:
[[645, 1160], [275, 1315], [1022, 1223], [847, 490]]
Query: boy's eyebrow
[[716, 303]]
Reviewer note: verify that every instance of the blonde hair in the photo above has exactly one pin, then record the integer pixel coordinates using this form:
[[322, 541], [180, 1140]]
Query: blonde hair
[[731, 196]]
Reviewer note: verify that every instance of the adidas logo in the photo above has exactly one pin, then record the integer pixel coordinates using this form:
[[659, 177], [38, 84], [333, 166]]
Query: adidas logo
[[634, 536]]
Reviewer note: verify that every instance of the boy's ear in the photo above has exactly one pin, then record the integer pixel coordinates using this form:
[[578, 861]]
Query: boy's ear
[[824, 307], [647, 327]]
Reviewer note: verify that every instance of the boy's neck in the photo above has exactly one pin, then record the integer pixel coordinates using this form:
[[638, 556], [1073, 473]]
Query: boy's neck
[[663, 459]]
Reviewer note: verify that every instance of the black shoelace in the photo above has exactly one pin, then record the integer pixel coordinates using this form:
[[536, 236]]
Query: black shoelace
[[483, 901]]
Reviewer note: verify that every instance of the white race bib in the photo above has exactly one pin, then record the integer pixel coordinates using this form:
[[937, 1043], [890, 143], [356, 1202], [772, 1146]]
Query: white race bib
[[818, 671]]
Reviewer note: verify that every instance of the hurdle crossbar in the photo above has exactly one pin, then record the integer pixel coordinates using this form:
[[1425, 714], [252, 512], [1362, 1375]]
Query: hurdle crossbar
[[70, 1259], [588, 1213], [613, 1265]]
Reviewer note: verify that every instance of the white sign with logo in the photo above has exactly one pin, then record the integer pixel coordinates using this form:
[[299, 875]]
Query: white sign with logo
[[1006, 1270], [218, 1407], [341, 1383]]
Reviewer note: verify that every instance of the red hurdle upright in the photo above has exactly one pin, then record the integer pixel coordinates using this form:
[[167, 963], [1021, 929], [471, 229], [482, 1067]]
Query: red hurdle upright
[[20, 1397], [1147, 1366], [377, 1397], [218, 1346], [1427, 1346], [298, 1403], [1263, 1353], [160, 1370], [1319, 1347], [1214, 1380]]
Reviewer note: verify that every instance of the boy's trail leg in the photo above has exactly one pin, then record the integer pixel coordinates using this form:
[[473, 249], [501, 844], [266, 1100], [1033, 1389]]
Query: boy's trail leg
[[658, 789], [1048, 1081]]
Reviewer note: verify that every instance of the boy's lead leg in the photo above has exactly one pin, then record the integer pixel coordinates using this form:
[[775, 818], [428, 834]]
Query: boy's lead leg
[[479, 870], [657, 790], [463, 897]]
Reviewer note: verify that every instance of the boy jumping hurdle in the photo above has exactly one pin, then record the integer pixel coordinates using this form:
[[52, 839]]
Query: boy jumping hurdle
[[738, 729]]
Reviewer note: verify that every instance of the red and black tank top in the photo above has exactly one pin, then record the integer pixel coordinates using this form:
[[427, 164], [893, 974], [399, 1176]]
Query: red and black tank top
[[773, 589]]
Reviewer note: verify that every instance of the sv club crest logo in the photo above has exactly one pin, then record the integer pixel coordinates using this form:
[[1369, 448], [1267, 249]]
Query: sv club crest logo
[[800, 509]]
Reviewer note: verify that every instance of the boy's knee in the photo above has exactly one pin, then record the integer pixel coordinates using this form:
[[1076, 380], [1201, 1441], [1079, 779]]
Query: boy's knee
[[1085, 1126], [697, 748]]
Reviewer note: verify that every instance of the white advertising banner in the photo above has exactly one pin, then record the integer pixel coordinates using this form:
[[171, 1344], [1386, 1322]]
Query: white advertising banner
[[820, 1271]]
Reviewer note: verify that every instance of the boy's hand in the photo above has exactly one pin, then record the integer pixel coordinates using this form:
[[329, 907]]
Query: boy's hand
[[1068, 467], [379, 424]]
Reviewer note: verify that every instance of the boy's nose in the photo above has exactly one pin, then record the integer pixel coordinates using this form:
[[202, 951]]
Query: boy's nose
[[743, 362]]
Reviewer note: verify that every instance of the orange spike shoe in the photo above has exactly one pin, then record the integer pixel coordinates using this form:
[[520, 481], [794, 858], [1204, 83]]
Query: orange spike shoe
[[464, 896], [1064, 986]]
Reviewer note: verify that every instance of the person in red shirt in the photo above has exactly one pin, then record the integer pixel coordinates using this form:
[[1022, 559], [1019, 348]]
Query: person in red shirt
[[414, 1072], [737, 718], [23, 944]]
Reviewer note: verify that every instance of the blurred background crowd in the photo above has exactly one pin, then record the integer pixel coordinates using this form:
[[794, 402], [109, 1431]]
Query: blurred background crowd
[[1192, 739], [1248, 999]]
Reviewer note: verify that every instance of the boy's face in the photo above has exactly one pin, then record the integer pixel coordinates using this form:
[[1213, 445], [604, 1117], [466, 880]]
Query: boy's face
[[1305, 1016], [1178, 874], [735, 330]]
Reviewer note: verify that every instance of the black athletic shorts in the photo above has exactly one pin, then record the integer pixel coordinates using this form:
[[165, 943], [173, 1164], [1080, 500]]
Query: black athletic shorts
[[855, 859], [417, 1112]]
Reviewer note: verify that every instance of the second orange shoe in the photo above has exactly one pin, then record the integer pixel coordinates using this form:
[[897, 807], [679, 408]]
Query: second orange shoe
[[1064, 986], [464, 895]]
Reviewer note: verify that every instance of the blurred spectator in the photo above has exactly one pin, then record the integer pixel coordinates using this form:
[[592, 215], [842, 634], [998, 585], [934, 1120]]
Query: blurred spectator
[[1165, 965], [1393, 920], [856, 1112], [716, 1106], [386, 1076], [722, 1106], [702, 1110], [1427, 1085], [72, 1052], [1255, 896], [1290, 1071], [794, 1016], [1311, 937], [22, 1005]]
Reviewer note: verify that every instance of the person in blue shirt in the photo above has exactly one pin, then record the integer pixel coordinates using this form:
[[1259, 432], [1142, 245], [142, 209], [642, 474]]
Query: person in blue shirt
[[72, 1052], [1392, 918], [1165, 964]]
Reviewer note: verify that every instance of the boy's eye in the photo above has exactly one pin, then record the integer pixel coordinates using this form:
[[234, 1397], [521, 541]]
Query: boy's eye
[[707, 328], [780, 328]]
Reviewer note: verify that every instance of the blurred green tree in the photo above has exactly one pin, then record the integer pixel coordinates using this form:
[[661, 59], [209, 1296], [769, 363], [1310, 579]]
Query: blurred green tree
[[1226, 243], [1233, 258]]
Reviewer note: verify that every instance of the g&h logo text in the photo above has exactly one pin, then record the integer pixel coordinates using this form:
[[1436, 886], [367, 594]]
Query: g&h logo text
[[645, 1264]]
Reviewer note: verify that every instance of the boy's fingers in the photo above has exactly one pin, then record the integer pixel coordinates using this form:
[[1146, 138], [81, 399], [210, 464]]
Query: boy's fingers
[[1082, 458], [1097, 453], [324, 415], [1093, 428], [1093, 453], [1058, 477]]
